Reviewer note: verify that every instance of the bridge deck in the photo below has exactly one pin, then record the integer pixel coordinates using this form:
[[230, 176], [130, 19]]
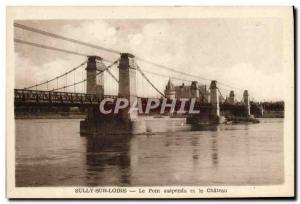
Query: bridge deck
[[53, 98], [23, 97], [35, 97]]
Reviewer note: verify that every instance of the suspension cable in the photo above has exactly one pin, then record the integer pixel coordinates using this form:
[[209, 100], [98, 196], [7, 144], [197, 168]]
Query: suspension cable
[[220, 93], [203, 96], [163, 75], [226, 85], [111, 74], [108, 67], [42, 32], [142, 73], [84, 80], [45, 33], [59, 76], [64, 87], [48, 47]]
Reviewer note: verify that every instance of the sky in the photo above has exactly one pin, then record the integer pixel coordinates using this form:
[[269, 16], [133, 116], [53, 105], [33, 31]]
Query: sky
[[238, 53]]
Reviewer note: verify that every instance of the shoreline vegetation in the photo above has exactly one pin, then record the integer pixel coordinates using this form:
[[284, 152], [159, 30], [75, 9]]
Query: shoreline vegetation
[[270, 110], [267, 114], [50, 116], [273, 114], [273, 109]]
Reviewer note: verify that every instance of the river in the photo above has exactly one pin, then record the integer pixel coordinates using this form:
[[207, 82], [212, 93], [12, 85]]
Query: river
[[51, 152]]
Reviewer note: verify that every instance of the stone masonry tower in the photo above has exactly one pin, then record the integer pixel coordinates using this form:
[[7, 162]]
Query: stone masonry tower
[[91, 75], [100, 81], [170, 90], [246, 101], [127, 83], [231, 97], [214, 100], [91, 70]]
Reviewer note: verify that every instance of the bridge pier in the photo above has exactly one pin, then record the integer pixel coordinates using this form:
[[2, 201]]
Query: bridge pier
[[125, 121]]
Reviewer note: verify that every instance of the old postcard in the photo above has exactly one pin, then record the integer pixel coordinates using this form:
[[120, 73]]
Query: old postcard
[[150, 102]]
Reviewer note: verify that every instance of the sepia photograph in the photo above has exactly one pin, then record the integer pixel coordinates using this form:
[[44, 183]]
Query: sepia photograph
[[144, 102]]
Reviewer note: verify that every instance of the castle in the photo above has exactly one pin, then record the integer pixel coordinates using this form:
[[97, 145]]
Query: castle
[[200, 92]]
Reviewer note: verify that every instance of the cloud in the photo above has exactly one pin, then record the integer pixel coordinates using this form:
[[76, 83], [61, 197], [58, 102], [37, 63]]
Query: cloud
[[236, 52], [96, 32], [28, 74], [260, 85], [35, 65]]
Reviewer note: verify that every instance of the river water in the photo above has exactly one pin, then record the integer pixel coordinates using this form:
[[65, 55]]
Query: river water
[[52, 153]]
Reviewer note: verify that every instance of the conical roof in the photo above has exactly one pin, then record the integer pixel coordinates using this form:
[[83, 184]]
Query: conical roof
[[170, 85]]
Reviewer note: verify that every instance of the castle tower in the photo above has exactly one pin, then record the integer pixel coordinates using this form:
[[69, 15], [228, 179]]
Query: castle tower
[[231, 97], [170, 90]]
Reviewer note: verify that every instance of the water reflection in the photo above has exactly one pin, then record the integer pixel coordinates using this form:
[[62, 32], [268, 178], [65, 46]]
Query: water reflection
[[51, 153], [133, 159], [108, 155], [201, 127], [214, 149]]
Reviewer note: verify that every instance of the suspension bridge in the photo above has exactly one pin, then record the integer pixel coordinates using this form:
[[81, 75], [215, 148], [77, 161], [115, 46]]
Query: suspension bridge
[[122, 78]]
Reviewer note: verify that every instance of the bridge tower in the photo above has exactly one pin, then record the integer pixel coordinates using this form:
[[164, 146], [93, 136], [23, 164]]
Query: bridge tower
[[127, 83], [214, 100], [209, 113], [91, 75], [246, 101], [125, 121]]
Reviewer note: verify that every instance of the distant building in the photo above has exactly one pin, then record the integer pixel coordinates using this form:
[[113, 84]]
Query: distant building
[[194, 90], [231, 98], [170, 90], [221, 99], [200, 92], [204, 94], [183, 91]]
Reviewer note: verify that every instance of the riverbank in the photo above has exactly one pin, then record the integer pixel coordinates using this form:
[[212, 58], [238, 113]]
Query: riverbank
[[236, 120], [273, 114], [50, 116]]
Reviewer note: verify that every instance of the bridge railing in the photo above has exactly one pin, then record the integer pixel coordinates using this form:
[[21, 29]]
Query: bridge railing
[[23, 96]]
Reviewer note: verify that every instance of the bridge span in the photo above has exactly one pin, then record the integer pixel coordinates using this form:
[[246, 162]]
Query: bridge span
[[128, 86]]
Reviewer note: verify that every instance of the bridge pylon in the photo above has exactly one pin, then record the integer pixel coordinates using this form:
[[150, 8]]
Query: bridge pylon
[[246, 100], [127, 84], [215, 103], [125, 121], [91, 76], [209, 113]]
